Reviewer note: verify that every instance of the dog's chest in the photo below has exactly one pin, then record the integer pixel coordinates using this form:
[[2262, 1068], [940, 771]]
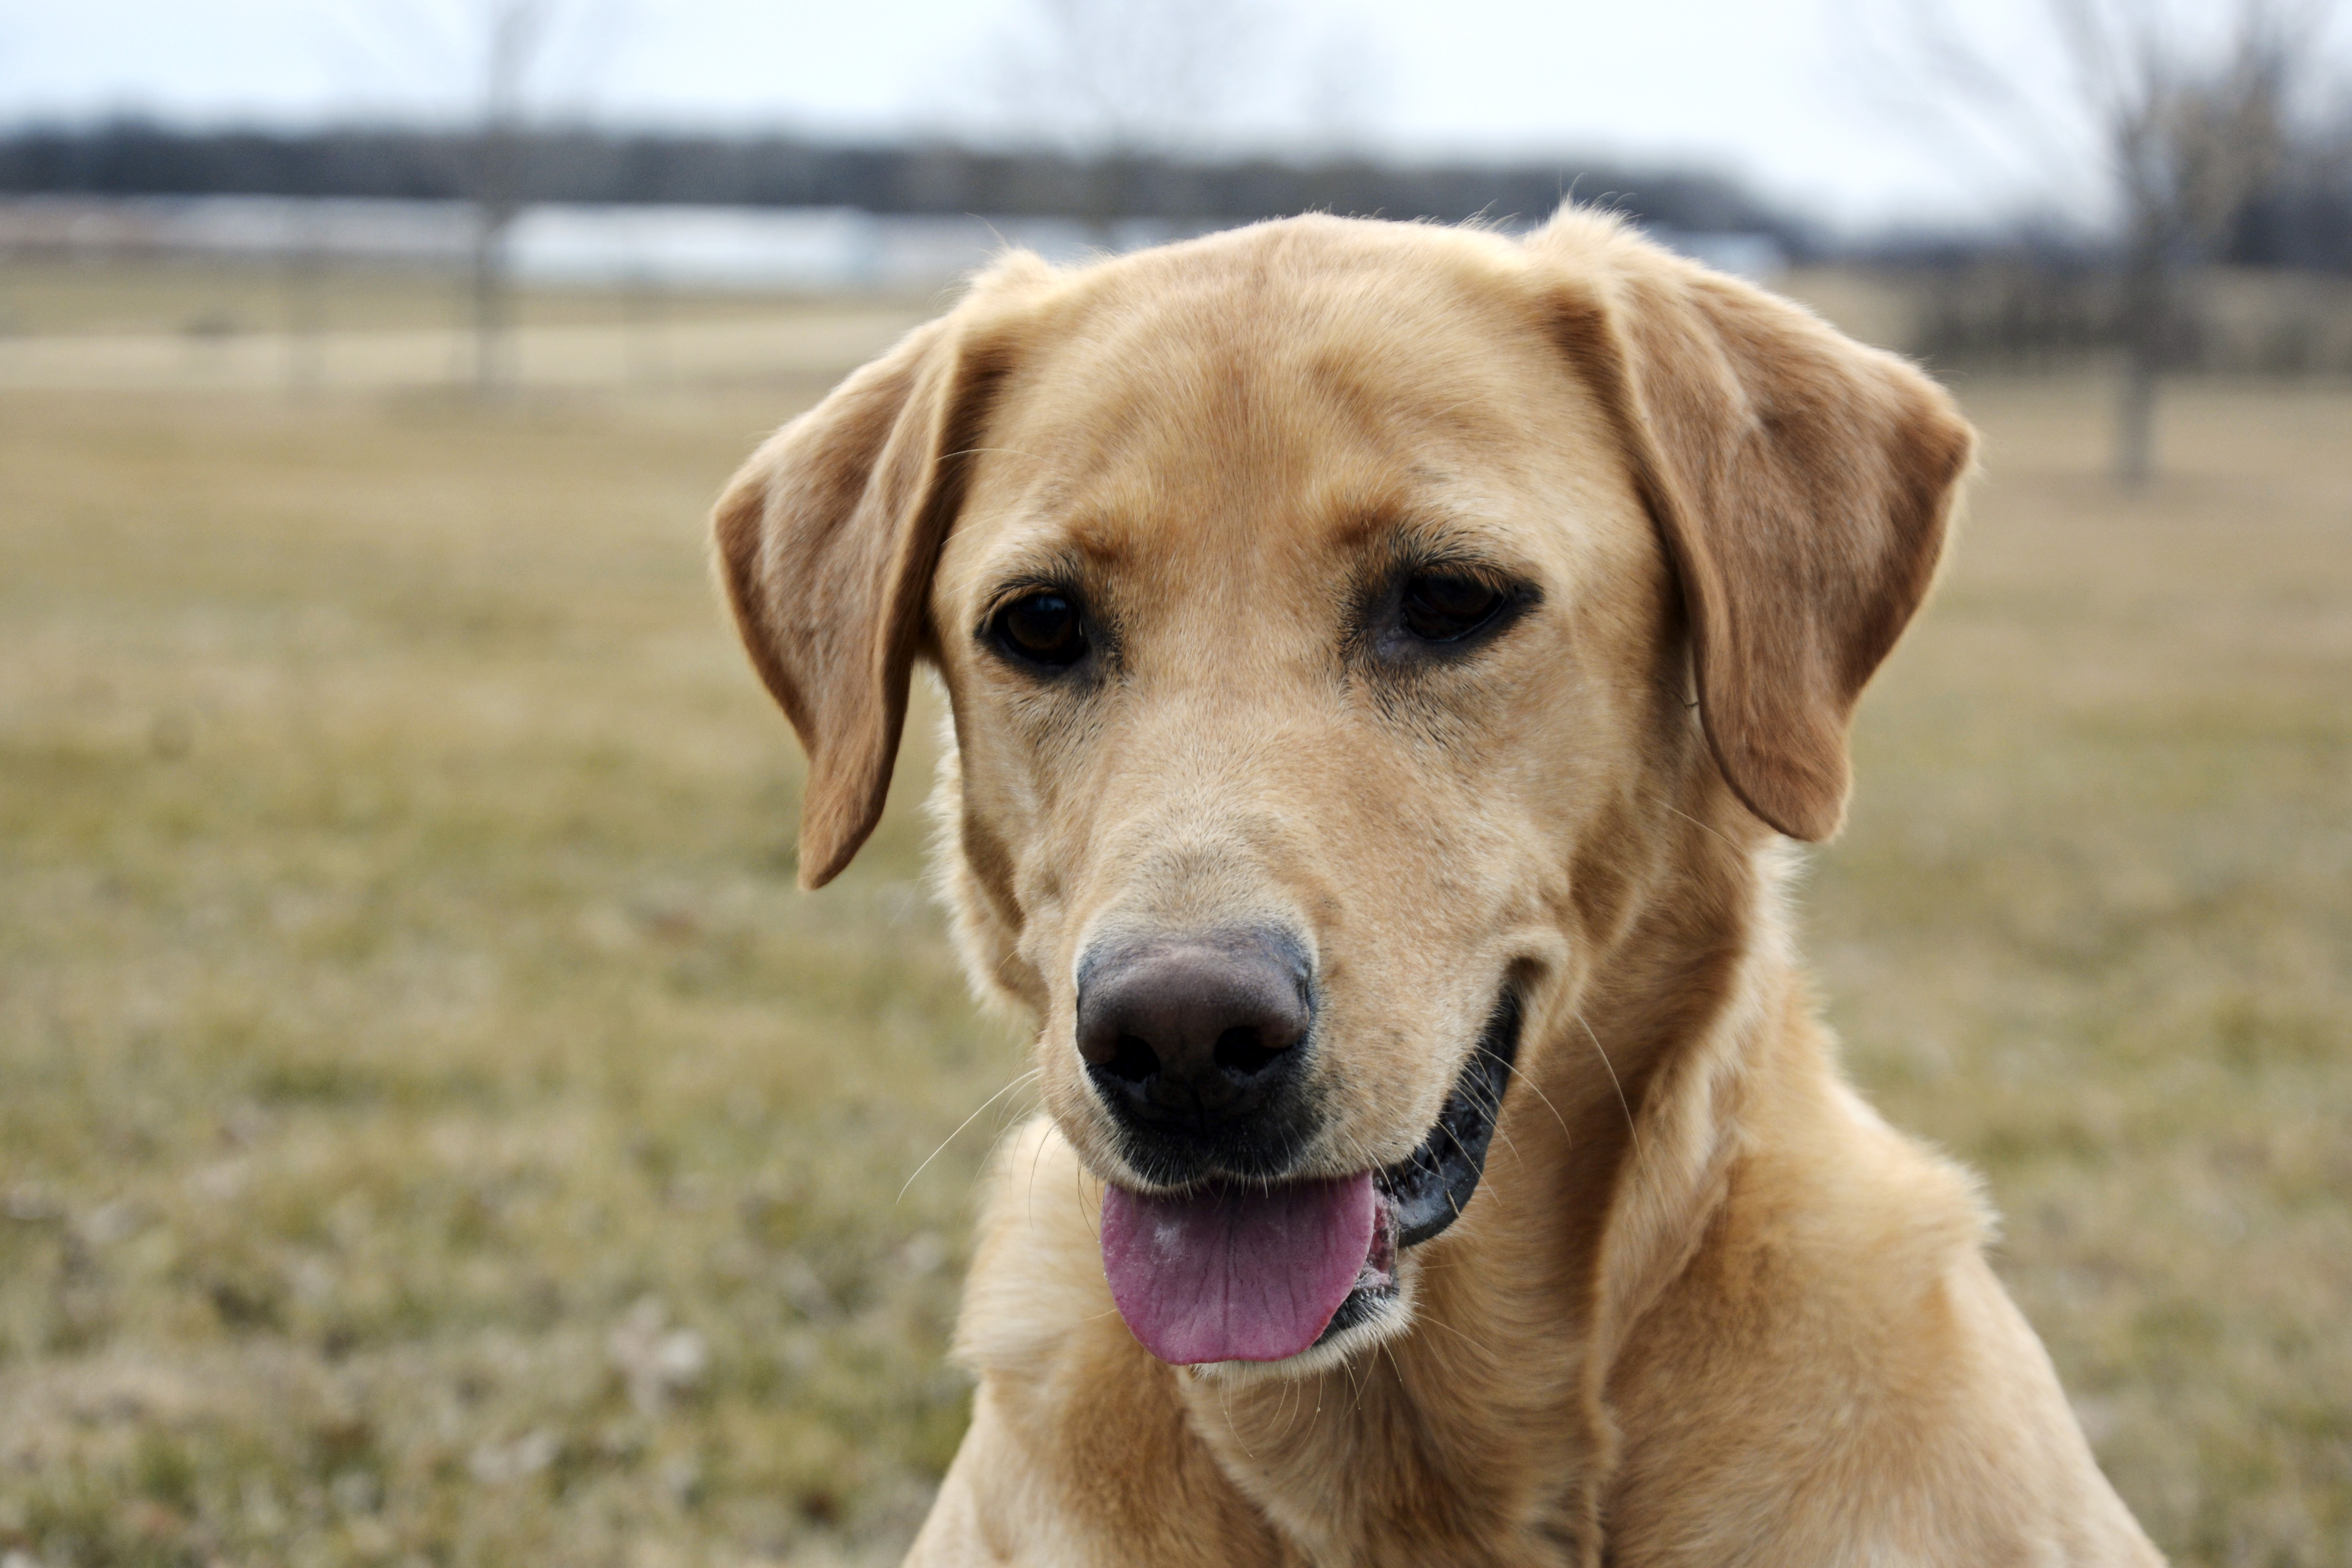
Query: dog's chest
[[1354, 1472]]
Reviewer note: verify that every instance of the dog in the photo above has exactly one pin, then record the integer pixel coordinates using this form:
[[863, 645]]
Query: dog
[[1387, 665]]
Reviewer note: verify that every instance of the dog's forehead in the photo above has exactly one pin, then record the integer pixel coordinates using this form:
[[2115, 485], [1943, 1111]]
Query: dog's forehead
[[1337, 391]]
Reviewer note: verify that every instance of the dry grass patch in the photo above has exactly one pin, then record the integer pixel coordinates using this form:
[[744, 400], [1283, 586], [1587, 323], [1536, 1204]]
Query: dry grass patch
[[436, 1125]]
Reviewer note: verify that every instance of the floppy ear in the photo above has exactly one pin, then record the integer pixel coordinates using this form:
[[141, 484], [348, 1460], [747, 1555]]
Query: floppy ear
[[1803, 485], [825, 541]]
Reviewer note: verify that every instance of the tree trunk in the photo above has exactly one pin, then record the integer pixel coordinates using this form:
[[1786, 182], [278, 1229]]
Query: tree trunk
[[491, 218], [2135, 421], [515, 33], [305, 281], [2147, 317]]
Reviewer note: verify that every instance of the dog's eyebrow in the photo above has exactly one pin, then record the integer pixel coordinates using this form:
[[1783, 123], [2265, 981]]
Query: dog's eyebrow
[[1384, 519], [1049, 544], [1028, 571], [1419, 535], [1099, 538], [1404, 516]]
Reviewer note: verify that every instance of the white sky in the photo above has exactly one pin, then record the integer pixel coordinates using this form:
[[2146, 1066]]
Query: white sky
[[1782, 93]]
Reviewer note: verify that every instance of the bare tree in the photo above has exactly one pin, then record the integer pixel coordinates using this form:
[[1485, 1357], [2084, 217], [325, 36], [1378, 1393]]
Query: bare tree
[[1124, 81], [2190, 141], [2188, 128], [514, 32], [501, 55], [305, 282]]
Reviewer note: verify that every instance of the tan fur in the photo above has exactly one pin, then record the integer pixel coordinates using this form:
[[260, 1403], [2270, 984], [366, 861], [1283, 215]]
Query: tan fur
[[1705, 1307]]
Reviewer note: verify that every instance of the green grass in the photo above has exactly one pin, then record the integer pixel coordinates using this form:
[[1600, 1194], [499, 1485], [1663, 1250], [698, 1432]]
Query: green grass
[[436, 1131]]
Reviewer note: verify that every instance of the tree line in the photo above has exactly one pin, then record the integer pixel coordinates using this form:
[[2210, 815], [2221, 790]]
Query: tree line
[[580, 164]]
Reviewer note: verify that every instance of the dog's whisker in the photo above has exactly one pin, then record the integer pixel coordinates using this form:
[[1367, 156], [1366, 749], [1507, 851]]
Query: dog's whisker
[[1348, 1366], [1536, 1090], [1225, 1403], [1356, 1151], [1489, 1100], [1036, 1156], [1506, 1137], [1285, 1409], [1395, 1366], [1623, 1103], [967, 1121], [1694, 822], [1435, 1322]]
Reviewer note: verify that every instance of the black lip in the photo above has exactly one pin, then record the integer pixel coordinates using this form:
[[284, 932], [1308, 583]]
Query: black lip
[[1427, 1189]]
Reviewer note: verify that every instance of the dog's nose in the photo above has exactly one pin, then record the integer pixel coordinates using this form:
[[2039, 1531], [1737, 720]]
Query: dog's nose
[[1193, 1034]]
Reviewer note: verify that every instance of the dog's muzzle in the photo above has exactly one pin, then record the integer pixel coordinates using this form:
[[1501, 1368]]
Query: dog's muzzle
[[1257, 1269]]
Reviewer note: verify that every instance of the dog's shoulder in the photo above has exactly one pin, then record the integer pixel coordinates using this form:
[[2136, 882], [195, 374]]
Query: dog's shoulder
[[1838, 1360]]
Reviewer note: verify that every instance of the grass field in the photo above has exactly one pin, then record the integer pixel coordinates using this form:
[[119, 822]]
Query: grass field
[[433, 1130]]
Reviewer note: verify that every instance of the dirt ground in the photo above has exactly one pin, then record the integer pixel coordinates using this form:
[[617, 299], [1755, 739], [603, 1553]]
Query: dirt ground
[[435, 1130]]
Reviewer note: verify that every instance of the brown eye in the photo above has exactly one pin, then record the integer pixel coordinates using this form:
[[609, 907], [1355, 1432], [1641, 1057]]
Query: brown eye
[[1439, 607], [1046, 629]]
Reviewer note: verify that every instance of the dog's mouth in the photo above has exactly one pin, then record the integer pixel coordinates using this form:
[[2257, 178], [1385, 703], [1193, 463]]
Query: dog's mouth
[[1258, 1272]]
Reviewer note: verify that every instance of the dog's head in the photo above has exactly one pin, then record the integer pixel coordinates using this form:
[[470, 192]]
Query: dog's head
[[1339, 619]]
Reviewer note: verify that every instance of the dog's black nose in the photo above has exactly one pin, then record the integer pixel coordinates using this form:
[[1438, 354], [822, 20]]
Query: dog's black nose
[[1194, 1036]]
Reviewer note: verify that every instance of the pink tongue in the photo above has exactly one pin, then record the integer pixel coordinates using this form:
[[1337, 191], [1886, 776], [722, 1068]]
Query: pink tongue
[[1235, 1273]]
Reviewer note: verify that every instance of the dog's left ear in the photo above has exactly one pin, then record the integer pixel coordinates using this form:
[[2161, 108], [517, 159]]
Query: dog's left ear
[[825, 542], [1801, 483]]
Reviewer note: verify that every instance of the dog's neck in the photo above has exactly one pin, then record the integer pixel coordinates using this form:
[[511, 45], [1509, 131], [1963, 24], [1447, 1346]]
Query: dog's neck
[[1487, 1417]]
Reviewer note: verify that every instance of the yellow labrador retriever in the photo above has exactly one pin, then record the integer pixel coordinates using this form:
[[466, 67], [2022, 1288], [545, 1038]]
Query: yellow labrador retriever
[[1386, 662]]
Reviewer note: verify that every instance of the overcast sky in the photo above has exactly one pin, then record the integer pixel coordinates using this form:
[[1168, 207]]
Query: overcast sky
[[1784, 93]]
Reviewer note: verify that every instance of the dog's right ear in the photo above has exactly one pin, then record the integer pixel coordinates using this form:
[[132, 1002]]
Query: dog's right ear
[[825, 542]]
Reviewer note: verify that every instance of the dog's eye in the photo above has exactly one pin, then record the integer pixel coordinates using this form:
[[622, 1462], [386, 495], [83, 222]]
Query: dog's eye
[[1440, 606], [1045, 628]]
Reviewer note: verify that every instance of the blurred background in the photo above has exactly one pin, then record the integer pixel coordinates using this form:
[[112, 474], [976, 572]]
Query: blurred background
[[433, 1130]]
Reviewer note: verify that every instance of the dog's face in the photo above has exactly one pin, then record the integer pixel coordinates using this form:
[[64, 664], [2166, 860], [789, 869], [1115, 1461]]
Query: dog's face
[[1290, 681], [1320, 608]]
